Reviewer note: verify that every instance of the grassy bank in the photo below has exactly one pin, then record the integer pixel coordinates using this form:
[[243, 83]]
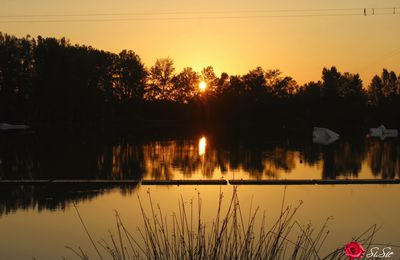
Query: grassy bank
[[234, 233]]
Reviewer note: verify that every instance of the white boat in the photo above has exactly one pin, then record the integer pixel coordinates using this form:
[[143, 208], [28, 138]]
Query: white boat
[[382, 132], [324, 136], [5, 126]]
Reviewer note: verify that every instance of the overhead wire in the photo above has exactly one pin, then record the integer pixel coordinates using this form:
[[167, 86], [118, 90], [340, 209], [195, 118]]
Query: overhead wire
[[196, 12], [196, 15], [182, 12], [186, 18]]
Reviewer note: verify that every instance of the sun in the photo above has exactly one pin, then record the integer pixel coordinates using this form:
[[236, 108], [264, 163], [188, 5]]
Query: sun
[[202, 86]]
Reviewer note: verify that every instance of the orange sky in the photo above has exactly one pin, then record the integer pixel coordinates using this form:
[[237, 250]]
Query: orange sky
[[299, 46]]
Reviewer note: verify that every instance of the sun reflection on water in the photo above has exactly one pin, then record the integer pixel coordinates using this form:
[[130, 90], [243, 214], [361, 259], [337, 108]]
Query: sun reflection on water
[[202, 146]]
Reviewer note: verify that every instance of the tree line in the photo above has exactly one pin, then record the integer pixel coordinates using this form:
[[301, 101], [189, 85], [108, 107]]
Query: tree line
[[49, 80]]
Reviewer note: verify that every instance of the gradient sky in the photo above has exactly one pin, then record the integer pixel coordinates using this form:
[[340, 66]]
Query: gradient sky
[[299, 46]]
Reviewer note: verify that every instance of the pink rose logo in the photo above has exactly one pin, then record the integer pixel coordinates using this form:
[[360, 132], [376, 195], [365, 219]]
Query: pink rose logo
[[354, 250]]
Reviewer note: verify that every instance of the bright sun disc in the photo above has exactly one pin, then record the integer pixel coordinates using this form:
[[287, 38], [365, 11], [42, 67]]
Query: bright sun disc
[[202, 86]]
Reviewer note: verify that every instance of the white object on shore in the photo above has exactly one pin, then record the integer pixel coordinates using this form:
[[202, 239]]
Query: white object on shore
[[5, 126], [324, 136], [382, 132]]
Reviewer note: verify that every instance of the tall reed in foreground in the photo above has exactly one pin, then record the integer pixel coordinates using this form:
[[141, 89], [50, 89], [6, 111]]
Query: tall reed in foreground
[[229, 236]]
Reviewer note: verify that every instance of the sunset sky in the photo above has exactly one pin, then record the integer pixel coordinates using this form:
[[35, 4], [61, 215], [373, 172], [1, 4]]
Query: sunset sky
[[233, 36]]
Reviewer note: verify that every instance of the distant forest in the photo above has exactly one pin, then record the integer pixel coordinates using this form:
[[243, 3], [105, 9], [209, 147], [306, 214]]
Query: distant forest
[[51, 81]]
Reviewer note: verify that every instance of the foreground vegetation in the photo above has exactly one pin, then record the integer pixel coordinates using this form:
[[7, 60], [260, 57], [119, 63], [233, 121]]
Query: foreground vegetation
[[48, 80], [231, 235]]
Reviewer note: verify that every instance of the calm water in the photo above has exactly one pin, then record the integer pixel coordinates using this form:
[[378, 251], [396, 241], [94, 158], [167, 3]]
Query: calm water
[[197, 156], [39, 221]]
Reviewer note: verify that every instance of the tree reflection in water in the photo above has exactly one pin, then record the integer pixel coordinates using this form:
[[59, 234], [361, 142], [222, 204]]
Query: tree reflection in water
[[384, 158], [52, 196], [71, 157]]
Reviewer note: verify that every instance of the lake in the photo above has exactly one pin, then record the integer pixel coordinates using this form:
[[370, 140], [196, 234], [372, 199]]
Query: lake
[[40, 220]]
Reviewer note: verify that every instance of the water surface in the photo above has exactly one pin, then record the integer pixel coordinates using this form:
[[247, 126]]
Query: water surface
[[197, 156], [39, 220]]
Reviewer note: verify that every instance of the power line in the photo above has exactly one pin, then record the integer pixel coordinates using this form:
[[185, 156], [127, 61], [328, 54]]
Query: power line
[[177, 13], [195, 12], [187, 18]]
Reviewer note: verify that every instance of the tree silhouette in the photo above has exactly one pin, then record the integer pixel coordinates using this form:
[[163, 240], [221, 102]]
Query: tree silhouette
[[49, 80], [16, 70], [223, 83], [255, 80], [209, 77], [375, 91], [185, 86], [280, 87], [390, 84], [330, 83], [159, 84], [351, 87], [131, 76], [384, 96]]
